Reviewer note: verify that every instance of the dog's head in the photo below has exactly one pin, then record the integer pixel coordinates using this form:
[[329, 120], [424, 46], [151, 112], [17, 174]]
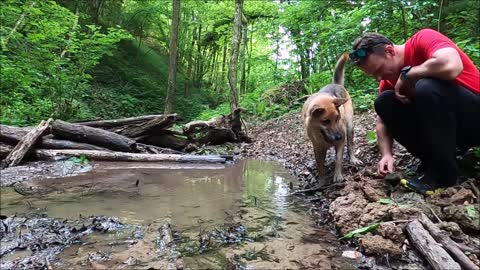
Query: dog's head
[[323, 114]]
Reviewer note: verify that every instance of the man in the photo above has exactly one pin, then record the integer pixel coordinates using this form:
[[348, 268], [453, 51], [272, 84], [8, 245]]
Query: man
[[429, 102]]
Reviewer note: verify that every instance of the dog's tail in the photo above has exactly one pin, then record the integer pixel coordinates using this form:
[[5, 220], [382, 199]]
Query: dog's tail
[[339, 74]]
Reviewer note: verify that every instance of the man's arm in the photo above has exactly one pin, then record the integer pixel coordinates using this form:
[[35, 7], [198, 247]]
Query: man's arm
[[384, 139], [385, 142], [444, 64]]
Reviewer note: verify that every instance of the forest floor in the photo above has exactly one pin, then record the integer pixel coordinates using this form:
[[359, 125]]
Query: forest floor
[[365, 198]]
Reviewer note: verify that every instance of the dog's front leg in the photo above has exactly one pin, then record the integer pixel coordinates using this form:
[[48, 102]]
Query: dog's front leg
[[320, 154], [338, 177], [351, 156]]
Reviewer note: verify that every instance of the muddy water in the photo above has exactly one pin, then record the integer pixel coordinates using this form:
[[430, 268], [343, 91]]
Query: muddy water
[[235, 216]]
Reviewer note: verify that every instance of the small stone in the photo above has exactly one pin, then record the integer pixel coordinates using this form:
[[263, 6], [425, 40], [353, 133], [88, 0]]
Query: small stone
[[352, 254]]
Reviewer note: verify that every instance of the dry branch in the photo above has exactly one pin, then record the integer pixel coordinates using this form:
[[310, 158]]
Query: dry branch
[[24, 145], [122, 156], [436, 256], [447, 243]]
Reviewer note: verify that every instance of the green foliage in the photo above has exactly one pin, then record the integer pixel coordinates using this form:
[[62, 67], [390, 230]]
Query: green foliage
[[45, 61], [471, 211], [82, 160], [386, 201], [77, 60], [476, 152], [371, 137], [360, 231]]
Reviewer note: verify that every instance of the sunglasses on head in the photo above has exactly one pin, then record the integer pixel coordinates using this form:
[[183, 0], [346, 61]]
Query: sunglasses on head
[[361, 54]]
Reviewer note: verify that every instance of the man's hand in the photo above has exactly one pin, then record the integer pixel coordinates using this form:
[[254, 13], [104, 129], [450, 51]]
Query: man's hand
[[403, 90], [385, 165]]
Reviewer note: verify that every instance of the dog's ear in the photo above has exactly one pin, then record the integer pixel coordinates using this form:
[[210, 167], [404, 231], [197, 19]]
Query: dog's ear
[[339, 101], [317, 111]]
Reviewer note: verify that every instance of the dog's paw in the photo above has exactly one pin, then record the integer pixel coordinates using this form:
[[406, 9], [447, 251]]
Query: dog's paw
[[355, 161], [338, 178]]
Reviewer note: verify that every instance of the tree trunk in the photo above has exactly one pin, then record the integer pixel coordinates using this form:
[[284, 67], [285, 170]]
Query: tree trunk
[[190, 59], [224, 63], [122, 156], [249, 51], [95, 136], [172, 74], [232, 69], [243, 46], [198, 62], [25, 144]]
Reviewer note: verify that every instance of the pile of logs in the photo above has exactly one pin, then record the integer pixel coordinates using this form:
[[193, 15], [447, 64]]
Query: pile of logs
[[143, 138], [440, 251]]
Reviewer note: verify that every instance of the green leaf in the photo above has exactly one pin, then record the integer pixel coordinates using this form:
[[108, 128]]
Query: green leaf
[[371, 137], [471, 211], [74, 160], [386, 201], [360, 231]]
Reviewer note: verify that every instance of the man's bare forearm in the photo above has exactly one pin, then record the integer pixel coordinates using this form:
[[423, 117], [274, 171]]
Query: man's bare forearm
[[384, 139], [445, 64]]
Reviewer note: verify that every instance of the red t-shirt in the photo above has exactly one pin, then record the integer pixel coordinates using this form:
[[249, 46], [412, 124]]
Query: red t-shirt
[[422, 45]]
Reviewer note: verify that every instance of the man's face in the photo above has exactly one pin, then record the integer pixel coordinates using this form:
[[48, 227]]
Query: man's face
[[380, 66]]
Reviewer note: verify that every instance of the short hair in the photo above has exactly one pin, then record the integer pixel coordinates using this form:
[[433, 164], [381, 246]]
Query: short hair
[[367, 40], [368, 43]]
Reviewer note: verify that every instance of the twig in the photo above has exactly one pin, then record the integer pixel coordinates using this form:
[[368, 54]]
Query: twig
[[434, 214], [475, 190], [318, 188], [49, 266]]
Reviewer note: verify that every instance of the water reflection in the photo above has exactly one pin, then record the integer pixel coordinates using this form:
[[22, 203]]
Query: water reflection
[[145, 195]]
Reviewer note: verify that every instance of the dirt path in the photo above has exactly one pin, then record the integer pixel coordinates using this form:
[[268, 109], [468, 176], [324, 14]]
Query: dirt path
[[365, 198]]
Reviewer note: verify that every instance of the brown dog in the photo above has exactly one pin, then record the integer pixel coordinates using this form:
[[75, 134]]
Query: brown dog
[[328, 119]]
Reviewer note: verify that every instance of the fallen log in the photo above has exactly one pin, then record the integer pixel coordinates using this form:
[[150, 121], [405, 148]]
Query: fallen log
[[65, 144], [118, 122], [122, 156], [226, 128], [436, 256], [13, 135], [151, 149], [152, 127], [24, 145], [447, 243], [5, 149], [91, 135], [166, 141]]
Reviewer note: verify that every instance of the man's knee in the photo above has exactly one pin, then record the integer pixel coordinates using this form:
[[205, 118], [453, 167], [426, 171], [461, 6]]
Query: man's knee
[[427, 88], [383, 103]]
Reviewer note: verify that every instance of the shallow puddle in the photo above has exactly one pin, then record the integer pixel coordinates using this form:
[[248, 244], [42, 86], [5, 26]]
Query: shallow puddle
[[221, 216]]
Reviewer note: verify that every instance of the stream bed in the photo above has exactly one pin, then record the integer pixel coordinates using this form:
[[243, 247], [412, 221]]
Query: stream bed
[[113, 216]]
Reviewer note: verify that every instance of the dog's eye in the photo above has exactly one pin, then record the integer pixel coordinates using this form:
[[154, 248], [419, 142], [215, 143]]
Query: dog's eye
[[326, 122]]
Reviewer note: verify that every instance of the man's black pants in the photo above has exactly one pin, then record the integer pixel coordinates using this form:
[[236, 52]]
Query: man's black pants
[[442, 116]]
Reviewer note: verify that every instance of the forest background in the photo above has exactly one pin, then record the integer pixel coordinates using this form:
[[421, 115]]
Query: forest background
[[78, 60]]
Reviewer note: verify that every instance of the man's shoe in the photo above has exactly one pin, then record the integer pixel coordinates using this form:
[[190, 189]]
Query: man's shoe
[[420, 186]]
